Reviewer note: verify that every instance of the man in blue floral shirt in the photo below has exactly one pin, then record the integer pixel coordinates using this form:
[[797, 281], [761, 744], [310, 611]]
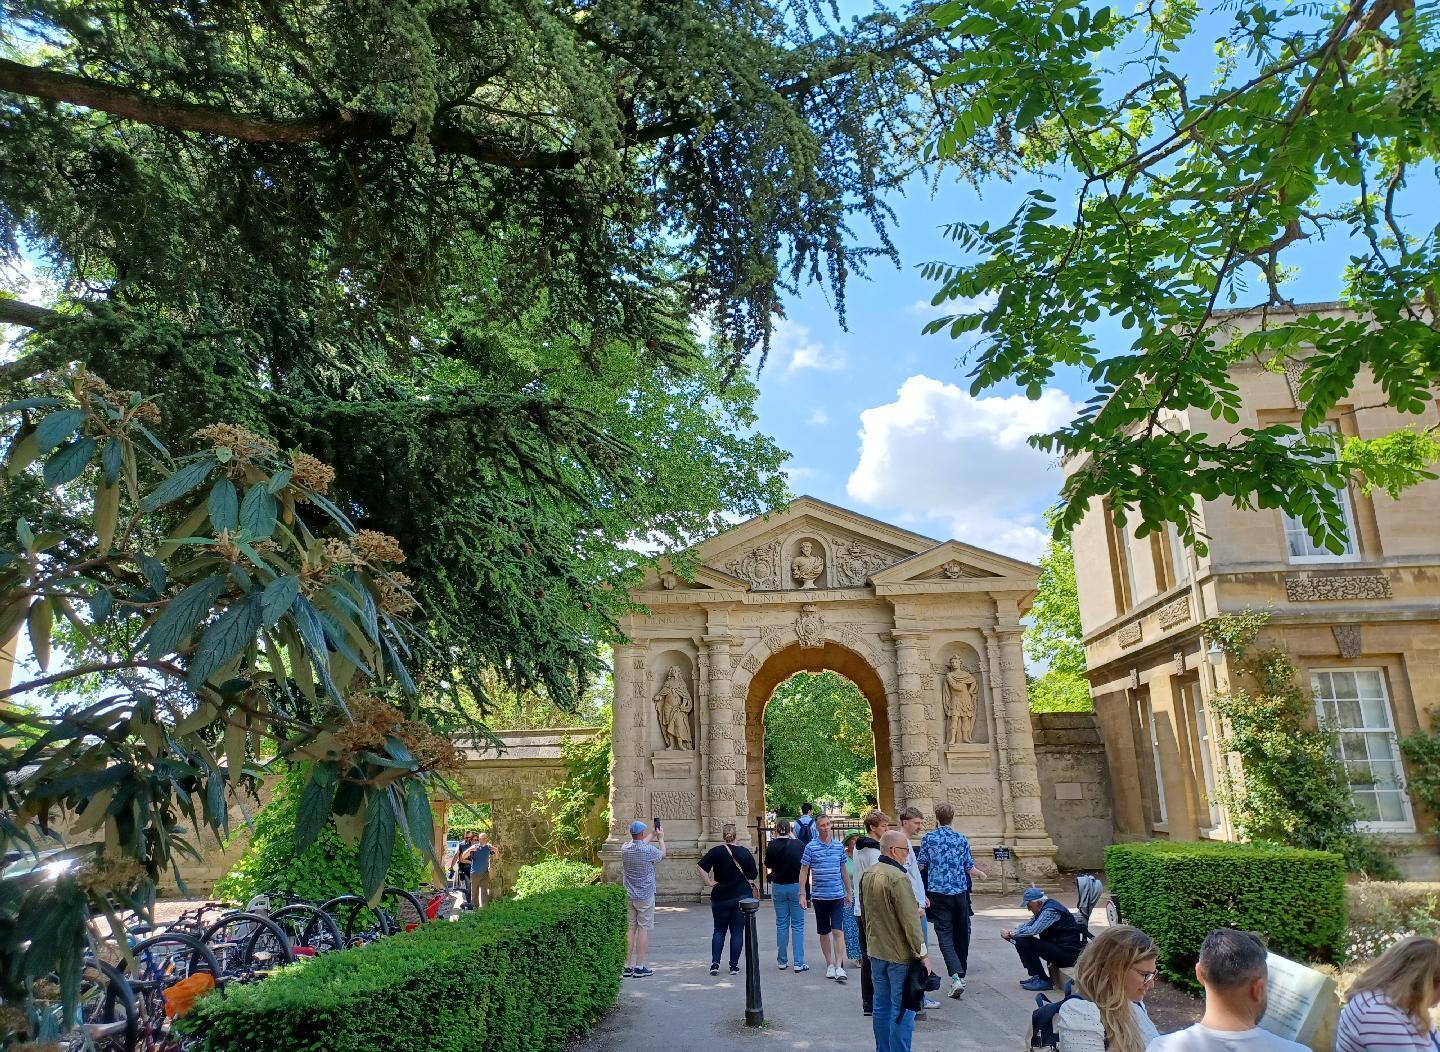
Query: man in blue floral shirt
[[945, 854]]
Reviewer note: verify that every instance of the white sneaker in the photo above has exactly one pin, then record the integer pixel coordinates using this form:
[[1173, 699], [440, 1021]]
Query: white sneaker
[[957, 985], [840, 975], [829, 971]]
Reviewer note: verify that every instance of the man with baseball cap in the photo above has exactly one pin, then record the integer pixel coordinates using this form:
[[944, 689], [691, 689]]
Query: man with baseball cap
[[637, 868], [1051, 934]]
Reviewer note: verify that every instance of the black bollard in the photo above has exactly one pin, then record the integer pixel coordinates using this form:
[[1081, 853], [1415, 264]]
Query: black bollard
[[754, 1013]]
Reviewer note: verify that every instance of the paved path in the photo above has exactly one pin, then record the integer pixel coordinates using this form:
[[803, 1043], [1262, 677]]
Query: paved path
[[682, 1007]]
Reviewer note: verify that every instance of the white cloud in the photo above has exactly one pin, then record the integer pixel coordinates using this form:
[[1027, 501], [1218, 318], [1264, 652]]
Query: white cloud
[[798, 474], [793, 348], [818, 418], [964, 305], [936, 452]]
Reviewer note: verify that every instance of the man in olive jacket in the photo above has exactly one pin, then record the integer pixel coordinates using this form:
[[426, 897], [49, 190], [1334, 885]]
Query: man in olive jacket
[[894, 941]]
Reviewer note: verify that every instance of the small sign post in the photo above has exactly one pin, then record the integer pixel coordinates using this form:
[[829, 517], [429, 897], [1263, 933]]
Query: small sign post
[[1002, 856]]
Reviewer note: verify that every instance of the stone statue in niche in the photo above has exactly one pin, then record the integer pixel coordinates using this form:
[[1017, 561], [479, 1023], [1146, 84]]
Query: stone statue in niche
[[806, 567], [958, 697], [673, 705]]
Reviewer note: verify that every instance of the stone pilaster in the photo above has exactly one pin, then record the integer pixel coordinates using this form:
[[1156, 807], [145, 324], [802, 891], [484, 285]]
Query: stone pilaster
[[998, 727], [724, 784], [1034, 847], [911, 662], [628, 740]]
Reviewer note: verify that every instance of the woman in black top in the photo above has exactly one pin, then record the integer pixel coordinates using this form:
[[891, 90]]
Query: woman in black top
[[727, 871]]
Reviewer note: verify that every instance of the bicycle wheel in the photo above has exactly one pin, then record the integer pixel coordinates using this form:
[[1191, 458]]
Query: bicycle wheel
[[107, 1017], [248, 946], [161, 963], [404, 909], [309, 928], [359, 921]]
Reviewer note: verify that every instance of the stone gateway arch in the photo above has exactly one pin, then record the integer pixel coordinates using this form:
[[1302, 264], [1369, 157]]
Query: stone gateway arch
[[929, 632]]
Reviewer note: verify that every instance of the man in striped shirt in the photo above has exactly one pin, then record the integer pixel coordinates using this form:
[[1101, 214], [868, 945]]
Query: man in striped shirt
[[825, 884], [1234, 971]]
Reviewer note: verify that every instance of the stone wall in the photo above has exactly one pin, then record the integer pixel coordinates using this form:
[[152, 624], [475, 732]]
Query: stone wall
[[1074, 787]]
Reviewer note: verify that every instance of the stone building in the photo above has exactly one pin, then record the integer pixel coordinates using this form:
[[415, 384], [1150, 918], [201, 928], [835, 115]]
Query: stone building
[[929, 632], [1362, 628]]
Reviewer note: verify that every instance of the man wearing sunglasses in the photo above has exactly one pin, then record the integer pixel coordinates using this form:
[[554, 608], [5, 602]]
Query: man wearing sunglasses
[[893, 940]]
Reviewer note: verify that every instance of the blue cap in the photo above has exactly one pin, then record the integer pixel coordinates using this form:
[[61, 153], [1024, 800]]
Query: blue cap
[[637, 827], [1031, 895]]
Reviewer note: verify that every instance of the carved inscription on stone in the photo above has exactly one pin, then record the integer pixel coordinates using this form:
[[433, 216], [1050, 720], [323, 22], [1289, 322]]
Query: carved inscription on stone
[[1174, 613], [759, 566], [1129, 635], [973, 800], [1347, 638], [1323, 589]]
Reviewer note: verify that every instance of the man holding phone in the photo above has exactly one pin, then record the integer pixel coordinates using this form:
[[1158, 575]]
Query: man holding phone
[[637, 868]]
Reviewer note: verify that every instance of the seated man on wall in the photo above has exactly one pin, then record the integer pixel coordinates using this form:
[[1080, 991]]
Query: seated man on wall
[[1051, 934]]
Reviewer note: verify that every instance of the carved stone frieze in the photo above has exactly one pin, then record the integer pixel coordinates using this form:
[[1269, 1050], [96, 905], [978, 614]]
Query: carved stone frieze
[[915, 759], [810, 627], [737, 717], [1029, 823], [1129, 634], [973, 800], [1011, 696], [717, 793], [932, 742], [916, 791], [674, 805], [936, 775], [1347, 638], [1294, 375], [721, 762], [1017, 726], [1324, 589], [775, 640], [1174, 613], [759, 567], [909, 695], [1019, 789], [751, 662], [855, 562]]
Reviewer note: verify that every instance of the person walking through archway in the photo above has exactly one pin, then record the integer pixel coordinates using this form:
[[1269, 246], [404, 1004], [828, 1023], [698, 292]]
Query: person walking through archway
[[825, 884], [727, 870], [782, 863], [482, 854]]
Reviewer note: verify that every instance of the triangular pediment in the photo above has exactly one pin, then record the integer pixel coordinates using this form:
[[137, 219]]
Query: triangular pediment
[[956, 561], [701, 579], [810, 544]]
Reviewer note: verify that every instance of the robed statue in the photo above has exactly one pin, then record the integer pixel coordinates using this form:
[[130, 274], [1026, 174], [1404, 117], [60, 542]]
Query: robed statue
[[958, 694], [673, 706]]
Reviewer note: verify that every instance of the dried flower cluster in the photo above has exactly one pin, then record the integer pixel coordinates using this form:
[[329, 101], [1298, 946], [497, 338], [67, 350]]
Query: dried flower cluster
[[395, 597], [375, 720], [104, 876], [310, 473], [376, 547], [243, 444]]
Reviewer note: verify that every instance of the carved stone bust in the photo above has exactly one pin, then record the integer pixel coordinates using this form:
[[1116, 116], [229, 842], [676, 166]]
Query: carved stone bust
[[807, 567]]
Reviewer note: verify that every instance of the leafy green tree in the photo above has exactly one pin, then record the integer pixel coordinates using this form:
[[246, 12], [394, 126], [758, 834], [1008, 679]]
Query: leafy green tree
[[1054, 638], [818, 744], [1178, 196], [330, 866], [236, 617], [455, 248], [575, 812]]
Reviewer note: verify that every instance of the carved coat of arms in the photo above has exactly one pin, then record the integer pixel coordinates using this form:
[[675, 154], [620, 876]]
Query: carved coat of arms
[[810, 627]]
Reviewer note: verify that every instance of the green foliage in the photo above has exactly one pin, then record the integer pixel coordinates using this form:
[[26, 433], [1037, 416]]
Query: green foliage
[[1178, 893], [465, 818], [1054, 637], [818, 744], [1422, 755], [328, 867], [1185, 196], [215, 646], [553, 874], [575, 811], [518, 974], [1383, 912], [1292, 786]]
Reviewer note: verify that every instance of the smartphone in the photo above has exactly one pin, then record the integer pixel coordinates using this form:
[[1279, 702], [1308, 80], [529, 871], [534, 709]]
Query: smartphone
[[657, 821]]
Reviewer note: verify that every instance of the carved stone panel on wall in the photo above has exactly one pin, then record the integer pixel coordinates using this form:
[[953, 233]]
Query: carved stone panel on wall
[[1347, 638], [1174, 613], [676, 806], [855, 562], [1129, 634], [1029, 823], [810, 627], [973, 800], [758, 566], [1322, 589]]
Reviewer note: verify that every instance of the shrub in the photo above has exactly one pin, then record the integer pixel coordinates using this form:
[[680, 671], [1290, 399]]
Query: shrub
[[1383, 912], [1179, 892], [552, 874], [329, 867], [516, 975]]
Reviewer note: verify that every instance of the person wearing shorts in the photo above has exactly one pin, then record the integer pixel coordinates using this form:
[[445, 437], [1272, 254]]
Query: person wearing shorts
[[637, 869], [825, 884]]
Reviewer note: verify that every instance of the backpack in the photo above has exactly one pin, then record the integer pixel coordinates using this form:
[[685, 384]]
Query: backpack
[[1043, 1037], [804, 829]]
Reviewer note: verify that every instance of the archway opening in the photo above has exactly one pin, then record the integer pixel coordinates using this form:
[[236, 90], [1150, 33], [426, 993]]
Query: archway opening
[[819, 747], [791, 661]]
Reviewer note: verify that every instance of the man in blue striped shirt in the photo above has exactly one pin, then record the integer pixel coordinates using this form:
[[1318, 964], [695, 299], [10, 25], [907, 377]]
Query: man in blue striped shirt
[[822, 871]]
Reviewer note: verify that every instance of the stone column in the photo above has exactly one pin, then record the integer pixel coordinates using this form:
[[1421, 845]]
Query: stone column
[[911, 662], [1002, 743], [724, 771], [628, 740], [1033, 845]]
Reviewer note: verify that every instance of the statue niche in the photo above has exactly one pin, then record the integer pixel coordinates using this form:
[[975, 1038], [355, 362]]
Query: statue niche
[[673, 706], [959, 697], [807, 566]]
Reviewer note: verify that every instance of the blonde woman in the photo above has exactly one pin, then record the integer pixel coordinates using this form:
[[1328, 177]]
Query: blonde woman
[[1388, 1006], [1113, 975]]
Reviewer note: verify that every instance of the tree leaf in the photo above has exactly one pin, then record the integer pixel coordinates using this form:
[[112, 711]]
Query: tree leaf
[[107, 511], [257, 513], [29, 403], [234, 748], [418, 818], [154, 571], [377, 844], [177, 622], [230, 633], [57, 427], [67, 463], [224, 506], [180, 483], [314, 812], [112, 459], [312, 631], [40, 623], [277, 597]]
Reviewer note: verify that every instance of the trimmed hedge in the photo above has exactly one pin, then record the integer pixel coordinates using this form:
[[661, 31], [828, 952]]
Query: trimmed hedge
[[515, 976], [552, 874], [1179, 892]]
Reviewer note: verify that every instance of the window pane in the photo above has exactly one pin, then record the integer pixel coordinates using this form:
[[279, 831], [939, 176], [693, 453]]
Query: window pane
[[1343, 685], [1352, 747], [1391, 807], [1369, 684], [1367, 807], [1381, 747], [1385, 773], [1373, 711]]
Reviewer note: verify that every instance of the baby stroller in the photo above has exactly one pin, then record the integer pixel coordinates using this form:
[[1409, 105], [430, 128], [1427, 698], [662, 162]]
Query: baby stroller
[[1089, 891]]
